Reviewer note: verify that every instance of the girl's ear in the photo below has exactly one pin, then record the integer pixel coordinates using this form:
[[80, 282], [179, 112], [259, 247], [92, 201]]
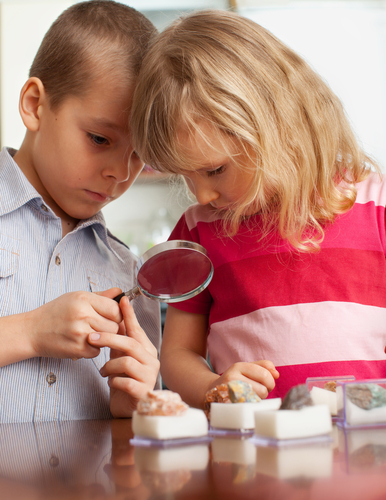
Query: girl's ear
[[32, 99]]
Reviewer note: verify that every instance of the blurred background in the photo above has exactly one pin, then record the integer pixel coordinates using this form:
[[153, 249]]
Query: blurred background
[[343, 40]]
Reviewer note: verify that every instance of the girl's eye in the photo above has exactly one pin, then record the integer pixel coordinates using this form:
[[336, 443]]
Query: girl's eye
[[98, 140], [218, 171]]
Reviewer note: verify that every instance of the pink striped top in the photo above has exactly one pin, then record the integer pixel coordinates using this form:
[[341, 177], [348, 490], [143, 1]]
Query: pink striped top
[[312, 315]]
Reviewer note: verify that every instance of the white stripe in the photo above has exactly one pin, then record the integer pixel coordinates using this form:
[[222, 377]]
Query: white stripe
[[300, 333], [372, 190]]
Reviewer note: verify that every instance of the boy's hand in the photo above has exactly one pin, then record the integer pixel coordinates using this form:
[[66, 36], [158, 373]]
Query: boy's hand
[[260, 374], [133, 367], [60, 328]]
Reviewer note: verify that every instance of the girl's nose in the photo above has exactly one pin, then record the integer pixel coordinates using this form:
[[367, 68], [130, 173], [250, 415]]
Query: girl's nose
[[204, 194]]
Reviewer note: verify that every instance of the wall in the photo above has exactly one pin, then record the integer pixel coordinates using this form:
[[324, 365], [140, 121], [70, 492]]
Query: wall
[[345, 41]]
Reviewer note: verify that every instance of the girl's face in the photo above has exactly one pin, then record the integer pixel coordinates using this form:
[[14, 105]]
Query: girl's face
[[223, 174]]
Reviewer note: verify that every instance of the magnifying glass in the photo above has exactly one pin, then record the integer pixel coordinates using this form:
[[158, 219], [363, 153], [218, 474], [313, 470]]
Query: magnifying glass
[[173, 271]]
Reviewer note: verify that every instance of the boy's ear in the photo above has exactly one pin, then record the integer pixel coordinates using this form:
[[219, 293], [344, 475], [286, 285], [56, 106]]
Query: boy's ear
[[32, 98]]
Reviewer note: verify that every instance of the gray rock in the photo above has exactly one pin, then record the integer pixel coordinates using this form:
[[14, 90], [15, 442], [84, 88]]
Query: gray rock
[[296, 398], [366, 396]]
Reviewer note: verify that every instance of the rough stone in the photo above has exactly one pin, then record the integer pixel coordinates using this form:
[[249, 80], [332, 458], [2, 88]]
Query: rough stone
[[330, 386], [219, 394], [242, 392], [296, 398], [162, 402], [366, 396]]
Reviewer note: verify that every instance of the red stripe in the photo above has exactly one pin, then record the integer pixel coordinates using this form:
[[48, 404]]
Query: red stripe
[[250, 276], [297, 374], [362, 228], [251, 284]]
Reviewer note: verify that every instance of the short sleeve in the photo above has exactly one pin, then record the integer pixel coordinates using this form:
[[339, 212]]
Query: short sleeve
[[201, 303]]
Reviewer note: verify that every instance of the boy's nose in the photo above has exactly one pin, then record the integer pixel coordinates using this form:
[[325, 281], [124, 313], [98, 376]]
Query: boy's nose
[[118, 169], [122, 168]]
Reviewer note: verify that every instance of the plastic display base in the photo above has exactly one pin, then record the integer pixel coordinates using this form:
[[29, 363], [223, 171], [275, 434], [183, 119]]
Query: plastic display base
[[264, 441], [165, 443]]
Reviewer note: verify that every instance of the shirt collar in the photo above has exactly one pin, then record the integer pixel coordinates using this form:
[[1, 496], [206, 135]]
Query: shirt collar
[[98, 224], [16, 191]]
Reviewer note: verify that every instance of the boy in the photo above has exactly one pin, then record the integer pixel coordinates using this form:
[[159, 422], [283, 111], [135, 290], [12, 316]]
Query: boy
[[55, 248]]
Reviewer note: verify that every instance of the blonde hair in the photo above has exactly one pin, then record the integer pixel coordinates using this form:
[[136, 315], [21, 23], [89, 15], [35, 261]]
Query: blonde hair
[[87, 39], [221, 68]]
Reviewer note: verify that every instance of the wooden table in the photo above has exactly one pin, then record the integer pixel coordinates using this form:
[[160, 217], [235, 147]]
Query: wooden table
[[94, 460]]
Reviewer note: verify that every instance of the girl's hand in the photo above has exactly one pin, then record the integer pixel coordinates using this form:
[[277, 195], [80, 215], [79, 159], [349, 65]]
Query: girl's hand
[[60, 328], [133, 367], [260, 374]]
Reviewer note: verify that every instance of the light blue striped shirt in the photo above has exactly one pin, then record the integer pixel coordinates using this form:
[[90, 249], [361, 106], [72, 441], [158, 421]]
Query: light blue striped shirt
[[38, 265]]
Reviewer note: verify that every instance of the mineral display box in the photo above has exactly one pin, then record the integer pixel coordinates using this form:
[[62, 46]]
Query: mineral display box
[[362, 403], [323, 390]]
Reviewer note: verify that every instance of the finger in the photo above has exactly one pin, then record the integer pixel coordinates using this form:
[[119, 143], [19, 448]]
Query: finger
[[136, 389], [87, 352], [260, 378], [99, 324], [133, 328], [106, 307], [110, 293], [126, 345], [258, 374], [130, 367], [269, 366]]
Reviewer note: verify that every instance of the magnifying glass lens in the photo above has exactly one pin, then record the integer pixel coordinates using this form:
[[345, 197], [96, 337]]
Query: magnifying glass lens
[[174, 273]]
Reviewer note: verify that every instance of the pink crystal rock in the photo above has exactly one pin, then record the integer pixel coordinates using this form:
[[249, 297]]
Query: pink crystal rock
[[162, 403]]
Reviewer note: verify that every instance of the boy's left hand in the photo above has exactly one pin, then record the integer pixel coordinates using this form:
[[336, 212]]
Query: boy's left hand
[[133, 367]]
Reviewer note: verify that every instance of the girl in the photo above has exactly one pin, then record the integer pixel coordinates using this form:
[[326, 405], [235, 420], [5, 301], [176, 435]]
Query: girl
[[289, 209]]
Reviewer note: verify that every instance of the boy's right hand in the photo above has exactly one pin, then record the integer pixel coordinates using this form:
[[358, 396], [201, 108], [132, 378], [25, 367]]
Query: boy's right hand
[[260, 374], [61, 327]]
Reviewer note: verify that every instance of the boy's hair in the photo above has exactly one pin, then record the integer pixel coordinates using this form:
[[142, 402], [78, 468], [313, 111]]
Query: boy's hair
[[220, 68], [87, 40]]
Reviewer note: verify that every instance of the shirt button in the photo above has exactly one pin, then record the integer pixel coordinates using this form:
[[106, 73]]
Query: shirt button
[[57, 260], [43, 207], [54, 461], [51, 378]]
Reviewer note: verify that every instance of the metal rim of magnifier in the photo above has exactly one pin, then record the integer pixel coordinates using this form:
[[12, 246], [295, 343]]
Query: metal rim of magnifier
[[174, 245]]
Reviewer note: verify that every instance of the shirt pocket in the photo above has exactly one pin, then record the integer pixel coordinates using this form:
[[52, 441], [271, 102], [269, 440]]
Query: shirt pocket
[[99, 282], [9, 263]]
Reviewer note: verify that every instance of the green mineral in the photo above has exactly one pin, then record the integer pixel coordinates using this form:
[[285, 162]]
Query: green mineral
[[366, 396], [242, 392]]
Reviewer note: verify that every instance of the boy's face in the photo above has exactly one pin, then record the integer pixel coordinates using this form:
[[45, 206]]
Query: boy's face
[[82, 154]]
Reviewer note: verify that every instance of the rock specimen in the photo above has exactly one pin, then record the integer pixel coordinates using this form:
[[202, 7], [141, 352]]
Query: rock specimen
[[162, 415], [242, 392], [330, 386], [163, 403], [219, 394], [296, 398], [366, 396]]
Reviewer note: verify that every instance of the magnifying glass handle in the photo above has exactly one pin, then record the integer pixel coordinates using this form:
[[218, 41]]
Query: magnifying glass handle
[[131, 294]]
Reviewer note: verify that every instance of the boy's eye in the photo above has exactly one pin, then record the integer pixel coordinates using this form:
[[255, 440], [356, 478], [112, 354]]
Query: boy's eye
[[217, 171], [98, 140]]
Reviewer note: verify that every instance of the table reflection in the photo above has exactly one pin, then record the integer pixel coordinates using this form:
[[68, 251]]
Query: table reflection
[[54, 460], [94, 460]]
